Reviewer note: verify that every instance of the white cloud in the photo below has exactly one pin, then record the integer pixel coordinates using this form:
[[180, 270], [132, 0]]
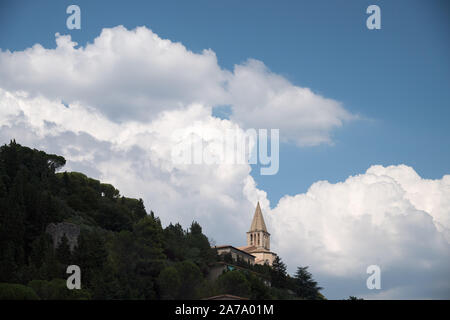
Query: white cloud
[[125, 74], [134, 75], [388, 216], [263, 99], [129, 91], [136, 158]]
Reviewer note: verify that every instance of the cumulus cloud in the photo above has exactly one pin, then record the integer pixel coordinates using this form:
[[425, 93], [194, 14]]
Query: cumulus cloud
[[130, 97], [136, 157], [134, 75], [263, 99], [125, 74], [388, 216]]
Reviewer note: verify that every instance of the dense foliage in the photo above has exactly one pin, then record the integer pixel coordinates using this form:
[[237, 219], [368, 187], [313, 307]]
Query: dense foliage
[[123, 252]]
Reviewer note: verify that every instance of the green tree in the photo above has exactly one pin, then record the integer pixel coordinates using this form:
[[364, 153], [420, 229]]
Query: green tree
[[63, 253], [235, 283], [199, 248], [278, 273], [169, 282], [13, 291], [91, 255], [56, 289], [50, 267], [259, 290], [123, 252], [305, 286], [191, 277], [175, 242]]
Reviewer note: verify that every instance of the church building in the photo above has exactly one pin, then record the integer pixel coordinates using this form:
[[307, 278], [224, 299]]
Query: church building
[[257, 250]]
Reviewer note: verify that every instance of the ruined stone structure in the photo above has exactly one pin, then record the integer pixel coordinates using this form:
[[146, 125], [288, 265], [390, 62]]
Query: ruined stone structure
[[57, 231]]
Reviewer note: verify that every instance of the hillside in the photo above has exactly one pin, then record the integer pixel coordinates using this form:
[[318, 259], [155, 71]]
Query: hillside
[[123, 251]]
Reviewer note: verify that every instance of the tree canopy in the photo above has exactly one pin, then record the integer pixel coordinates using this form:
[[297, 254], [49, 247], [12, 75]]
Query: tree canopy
[[123, 252]]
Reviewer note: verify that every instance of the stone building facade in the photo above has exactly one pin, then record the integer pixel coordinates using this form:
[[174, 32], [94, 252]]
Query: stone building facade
[[257, 250], [236, 253]]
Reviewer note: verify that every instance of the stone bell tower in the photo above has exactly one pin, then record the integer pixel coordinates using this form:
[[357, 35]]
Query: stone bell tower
[[258, 236]]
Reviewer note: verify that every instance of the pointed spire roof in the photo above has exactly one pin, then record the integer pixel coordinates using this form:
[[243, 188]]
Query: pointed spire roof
[[258, 223]]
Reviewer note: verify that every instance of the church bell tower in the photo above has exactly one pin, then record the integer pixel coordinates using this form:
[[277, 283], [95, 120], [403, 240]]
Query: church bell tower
[[258, 236]]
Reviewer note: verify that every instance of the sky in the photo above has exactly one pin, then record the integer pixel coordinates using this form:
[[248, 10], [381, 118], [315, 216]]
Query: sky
[[363, 118]]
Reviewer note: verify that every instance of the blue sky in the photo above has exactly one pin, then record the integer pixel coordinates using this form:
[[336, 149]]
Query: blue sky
[[396, 79]]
